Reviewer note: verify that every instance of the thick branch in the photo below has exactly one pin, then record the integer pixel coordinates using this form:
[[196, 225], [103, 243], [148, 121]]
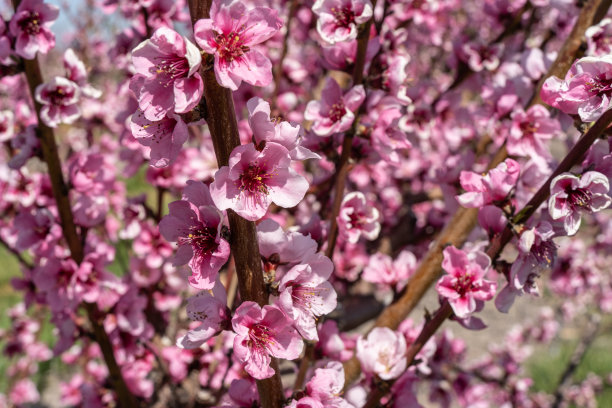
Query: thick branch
[[221, 120]]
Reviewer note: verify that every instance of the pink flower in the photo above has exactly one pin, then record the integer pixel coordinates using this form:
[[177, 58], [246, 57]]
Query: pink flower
[[490, 188], [327, 385], [464, 285], [537, 253], [283, 133], [479, 56], [165, 137], [167, 77], [598, 38], [23, 392], [335, 112], [230, 34], [531, 131], [31, 26], [212, 313], [76, 72], [338, 19], [383, 270], [585, 91], [59, 98], [7, 125], [254, 179], [262, 333], [357, 217], [195, 223], [382, 353], [305, 294], [570, 196]]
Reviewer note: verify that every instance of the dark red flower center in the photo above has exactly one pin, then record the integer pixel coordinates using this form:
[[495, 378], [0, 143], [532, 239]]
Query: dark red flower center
[[30, 23], [544, 252], [230, 46], [202, 239], [59, 95], [254, 179], [336, 111], [579, 197], [344, 16]]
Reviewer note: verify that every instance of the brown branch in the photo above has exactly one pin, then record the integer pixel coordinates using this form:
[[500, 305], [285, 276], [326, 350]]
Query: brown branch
[[465, 219], [221, 120], [60, 192]]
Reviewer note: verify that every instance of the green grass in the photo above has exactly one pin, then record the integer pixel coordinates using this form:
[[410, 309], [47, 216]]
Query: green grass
[[547, 365]]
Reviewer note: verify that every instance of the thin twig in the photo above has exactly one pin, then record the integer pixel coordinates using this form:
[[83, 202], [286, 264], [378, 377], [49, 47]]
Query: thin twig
[[17, 254]]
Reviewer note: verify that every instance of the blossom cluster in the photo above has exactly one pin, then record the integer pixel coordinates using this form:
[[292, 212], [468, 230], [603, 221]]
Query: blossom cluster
[[367, 148]]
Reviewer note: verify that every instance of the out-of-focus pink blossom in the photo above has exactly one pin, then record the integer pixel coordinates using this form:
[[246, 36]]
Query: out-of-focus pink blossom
[[392, 273], [326, 386], [357, 217], [531, 131], [490, 188], [164, 137], [255, 179], [76, 72], [59, 98], [464, 284], [537, 253], [31, 27], [339, 19], [571, 196], [167, 77], [212, 313], [262, 334], [230, 34], [336, 111], [585, 91], [195, 223], [7, 125], [382, 353], [599, 38]]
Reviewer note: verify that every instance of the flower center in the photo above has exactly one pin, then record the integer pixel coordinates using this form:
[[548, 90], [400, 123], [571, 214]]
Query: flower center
[[260, 336], [544, 252], [337, 111], [202, 239], [580, 197], [529, 128], [254, 180], [229, 46], [464, 284], [600, 85], [171, 67], [344, 16], [30, 23], [58, 95]]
